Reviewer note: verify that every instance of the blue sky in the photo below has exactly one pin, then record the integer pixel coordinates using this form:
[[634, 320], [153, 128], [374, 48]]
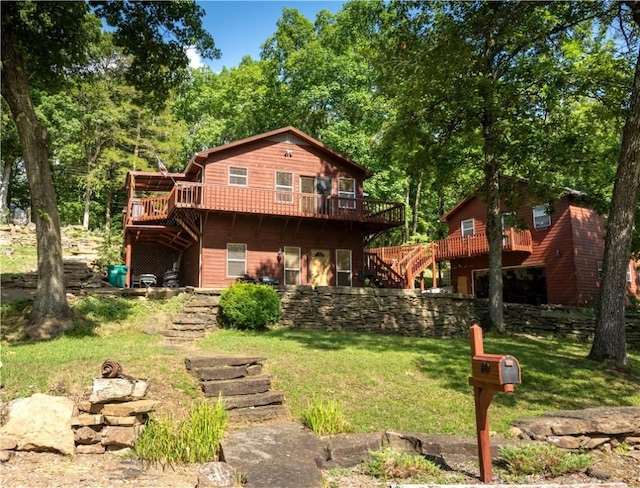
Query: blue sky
[[240, 27]]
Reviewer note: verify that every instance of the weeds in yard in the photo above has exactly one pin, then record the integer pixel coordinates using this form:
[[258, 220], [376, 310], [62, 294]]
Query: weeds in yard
[[388, 465], [326, 418], [542, 460], [166, 441]]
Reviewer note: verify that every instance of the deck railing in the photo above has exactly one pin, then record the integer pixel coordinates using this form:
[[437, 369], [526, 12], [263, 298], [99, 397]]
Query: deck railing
[[477, 244], [260, 201]]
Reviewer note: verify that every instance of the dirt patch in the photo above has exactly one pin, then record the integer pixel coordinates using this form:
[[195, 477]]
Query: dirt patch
[[45, 470]]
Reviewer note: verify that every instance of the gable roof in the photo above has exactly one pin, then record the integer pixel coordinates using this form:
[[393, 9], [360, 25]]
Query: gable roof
[[519, 179], [202, 156]]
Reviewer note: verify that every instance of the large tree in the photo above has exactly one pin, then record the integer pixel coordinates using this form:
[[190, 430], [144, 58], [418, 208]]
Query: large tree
[[42, 42], [609, 343]]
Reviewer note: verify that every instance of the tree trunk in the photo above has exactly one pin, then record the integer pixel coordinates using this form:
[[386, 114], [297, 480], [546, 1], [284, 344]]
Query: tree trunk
[[4, 192], [492, 189], [50, 307], [609, 342], [107, 210], [416, 207], [87, 208]]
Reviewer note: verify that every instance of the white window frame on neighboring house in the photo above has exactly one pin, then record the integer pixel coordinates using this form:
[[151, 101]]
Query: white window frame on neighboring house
[[540, 211], [344, 194], [284, 193], [344, 272], [238, 176], [599, 268], [629, 273], [464, 230], [235, 259], [292, 265]]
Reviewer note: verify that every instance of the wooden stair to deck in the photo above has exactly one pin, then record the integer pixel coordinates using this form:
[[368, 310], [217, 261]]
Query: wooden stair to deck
[[245, 389]]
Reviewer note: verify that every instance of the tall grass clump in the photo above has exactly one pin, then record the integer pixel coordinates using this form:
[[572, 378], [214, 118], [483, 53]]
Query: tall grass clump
[[542, 460], [388, 465], [326, 418], [249, 306], [166, 441]]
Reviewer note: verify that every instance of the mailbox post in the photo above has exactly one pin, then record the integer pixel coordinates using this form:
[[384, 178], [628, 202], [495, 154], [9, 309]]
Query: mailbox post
[[489, 373]]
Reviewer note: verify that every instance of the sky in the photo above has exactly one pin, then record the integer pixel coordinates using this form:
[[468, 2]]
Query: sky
[[240, 27]]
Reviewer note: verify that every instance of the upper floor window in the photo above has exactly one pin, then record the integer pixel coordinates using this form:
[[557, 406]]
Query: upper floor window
[[284, 187], [237, 176], [467, 227], [541, 217], [347, 190], [236, 259]]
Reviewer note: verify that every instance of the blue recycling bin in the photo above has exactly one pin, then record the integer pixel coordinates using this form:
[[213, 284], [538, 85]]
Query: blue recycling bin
[[117, 274]]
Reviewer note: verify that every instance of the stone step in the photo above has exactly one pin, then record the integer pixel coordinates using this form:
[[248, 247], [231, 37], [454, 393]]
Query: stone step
[[200, 310], [204, 301], [241, 386], [228, 372], [183, 334], [189, 318], [258, 414], [255, 400], [213, 361], [175, 326]]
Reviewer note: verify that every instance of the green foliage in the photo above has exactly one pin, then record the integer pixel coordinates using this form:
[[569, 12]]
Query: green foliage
[[542, 460], [326, 418], [111, 251], [249, 306], [196, 439], [388, 464]]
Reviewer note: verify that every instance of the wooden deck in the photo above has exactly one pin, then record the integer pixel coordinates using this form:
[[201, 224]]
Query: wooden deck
[[265, 202]]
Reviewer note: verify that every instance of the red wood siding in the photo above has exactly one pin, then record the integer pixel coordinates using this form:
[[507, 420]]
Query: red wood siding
[[265, 157], [190, 266], [588, 248], [264, 238]]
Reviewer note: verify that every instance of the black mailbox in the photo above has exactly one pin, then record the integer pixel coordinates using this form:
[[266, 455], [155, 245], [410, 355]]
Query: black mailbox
[[496, 369]]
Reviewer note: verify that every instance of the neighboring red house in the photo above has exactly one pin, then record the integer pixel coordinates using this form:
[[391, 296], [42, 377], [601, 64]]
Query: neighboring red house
[[279, 204], [554, 258]]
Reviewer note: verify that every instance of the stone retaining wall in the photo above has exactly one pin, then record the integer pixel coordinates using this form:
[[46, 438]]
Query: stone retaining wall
[[411, 313]]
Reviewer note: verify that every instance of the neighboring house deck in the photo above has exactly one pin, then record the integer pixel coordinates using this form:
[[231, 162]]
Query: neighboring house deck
[[549, 254]]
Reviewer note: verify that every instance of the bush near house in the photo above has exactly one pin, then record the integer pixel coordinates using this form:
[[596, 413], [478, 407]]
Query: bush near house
[[249, 306]]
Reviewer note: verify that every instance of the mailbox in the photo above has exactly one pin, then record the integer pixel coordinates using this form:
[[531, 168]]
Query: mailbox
[[495, 369]]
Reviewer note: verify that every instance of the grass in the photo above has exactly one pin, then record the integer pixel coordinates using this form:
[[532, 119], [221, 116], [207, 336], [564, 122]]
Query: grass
[[325, 418], [542, 460], [380, 381]]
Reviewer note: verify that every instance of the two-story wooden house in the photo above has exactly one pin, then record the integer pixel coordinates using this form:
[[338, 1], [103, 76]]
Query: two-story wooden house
[[553, 256], [279, 204]]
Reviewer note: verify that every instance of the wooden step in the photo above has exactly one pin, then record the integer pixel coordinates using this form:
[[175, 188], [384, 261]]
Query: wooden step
[[228, 372], [213, 361], [240, 386], [254, 400]]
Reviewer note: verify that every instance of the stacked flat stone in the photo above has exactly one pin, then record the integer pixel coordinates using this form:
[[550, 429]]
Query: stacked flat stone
[[113, 417]]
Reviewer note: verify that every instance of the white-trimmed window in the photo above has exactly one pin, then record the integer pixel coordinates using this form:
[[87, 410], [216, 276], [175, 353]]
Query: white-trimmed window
[[599, 267], [346, 193], [236, 260], [541, 217], [237, 176], [467, 227], [343, 267], [284, 187], [629, 273], [291, 265]]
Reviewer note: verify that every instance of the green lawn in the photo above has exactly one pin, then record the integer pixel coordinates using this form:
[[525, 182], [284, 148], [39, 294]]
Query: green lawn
[[382, 382]]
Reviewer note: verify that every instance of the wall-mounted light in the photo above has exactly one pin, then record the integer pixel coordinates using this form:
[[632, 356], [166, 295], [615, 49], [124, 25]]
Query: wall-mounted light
[[288, 153], [279, 255]]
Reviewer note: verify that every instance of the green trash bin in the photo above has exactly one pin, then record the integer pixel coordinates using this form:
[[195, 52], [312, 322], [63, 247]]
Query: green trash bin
[[117, 274]]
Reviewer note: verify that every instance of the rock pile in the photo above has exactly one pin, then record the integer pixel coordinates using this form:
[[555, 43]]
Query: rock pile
[[111, 419], [602, 428]]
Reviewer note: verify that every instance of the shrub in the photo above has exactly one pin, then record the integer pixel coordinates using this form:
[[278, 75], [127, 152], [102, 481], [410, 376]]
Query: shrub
[[543, 460], [326, 418], [388, 464], [249, 306], [194, 440]]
